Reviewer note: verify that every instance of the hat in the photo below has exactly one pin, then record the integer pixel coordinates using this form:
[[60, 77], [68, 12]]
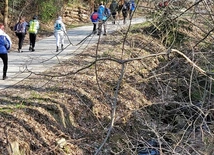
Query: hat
[[59, 18], [35, 17]]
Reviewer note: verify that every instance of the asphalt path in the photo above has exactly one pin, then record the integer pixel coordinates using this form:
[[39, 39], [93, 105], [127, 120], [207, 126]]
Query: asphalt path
[[21, 65]]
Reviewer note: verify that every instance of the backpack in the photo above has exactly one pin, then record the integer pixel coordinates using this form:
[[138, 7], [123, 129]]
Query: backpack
[[58, 26], [113, 7], [132, 6], [107, 12], [19, 27], [125, 7], [94, 16]]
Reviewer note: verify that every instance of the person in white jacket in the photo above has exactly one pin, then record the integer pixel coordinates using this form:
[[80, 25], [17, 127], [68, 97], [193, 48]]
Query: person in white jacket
[[5, 45], [59, 33]]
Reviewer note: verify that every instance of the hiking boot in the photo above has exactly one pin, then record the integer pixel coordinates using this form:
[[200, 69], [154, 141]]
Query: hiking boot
[[57, 49], [4, 77], [20, 51]]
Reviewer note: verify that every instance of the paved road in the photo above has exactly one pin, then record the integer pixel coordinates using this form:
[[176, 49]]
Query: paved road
[[21, 65]]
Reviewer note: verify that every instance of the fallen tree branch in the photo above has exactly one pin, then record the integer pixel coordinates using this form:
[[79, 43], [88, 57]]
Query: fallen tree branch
[[190, 61], [133, 59]]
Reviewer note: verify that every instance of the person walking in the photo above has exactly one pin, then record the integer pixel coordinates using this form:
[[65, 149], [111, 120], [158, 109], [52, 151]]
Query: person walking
[[113, 7], [5, 45], [125, 10], [94, 19], [59, 32], [131, 8], [33, 30], [102, 19], [21, 30], [120, 5]]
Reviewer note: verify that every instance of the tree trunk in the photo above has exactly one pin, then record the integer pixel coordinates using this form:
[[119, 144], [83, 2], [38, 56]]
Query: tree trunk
[[6, 14]]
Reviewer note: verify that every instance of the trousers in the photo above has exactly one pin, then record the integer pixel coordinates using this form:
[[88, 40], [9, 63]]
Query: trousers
[[59, 35], [4, 58], [101, 22], [21, 37], [32, 39]]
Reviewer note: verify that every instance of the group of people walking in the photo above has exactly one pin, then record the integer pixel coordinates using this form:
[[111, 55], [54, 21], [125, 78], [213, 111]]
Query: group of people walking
[[98, 17], [22, 27], [103, 12]]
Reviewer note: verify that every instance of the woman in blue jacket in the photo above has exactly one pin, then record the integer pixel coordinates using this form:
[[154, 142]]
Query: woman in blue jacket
[[131, 9], [102, 19], [5, 44]]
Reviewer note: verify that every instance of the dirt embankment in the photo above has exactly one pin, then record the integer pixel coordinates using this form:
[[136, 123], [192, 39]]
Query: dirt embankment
[[69, 108], [66, 111]]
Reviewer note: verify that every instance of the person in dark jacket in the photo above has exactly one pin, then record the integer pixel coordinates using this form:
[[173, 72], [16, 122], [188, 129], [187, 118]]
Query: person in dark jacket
[[21, 30], [125, 10], [120, 5], [5, 44], [113, 7]]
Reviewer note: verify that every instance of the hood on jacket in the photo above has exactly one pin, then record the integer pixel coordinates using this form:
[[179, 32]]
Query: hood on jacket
[[2, 32], [58, 21], [59, 18]]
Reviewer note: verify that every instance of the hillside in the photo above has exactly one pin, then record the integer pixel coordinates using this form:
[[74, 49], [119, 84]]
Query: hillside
[[74, 105], [146, 89]]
